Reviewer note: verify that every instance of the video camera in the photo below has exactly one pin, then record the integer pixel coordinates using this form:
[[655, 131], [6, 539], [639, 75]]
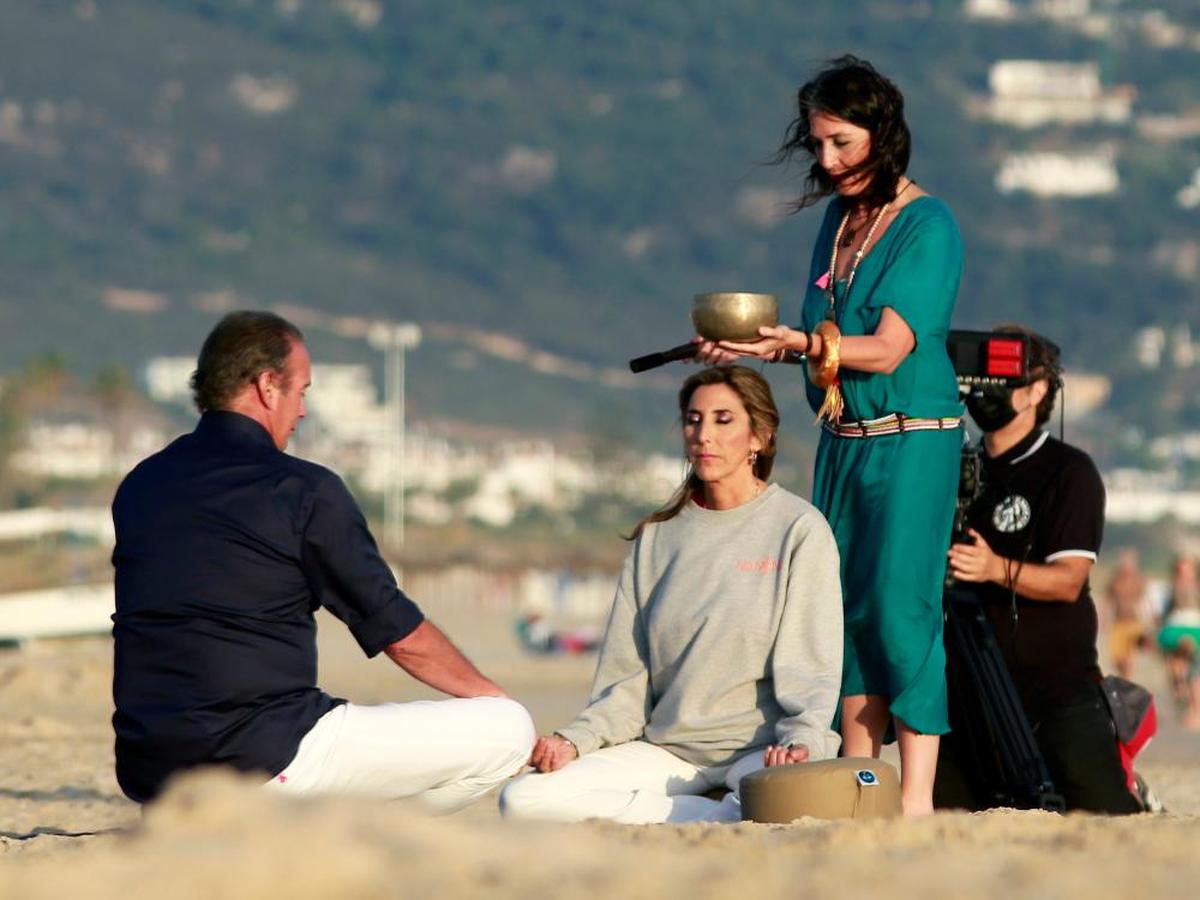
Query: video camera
[[988, 358]]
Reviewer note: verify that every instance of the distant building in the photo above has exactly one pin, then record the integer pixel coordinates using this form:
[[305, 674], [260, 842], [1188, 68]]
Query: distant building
[[82, 450], [1159, 31], [343, 397], [1149, 345], [1077, 15], [1061, 9], [999, 10], [1134, 495], [1180, 256], [1183, 351], [347, 429], [1189, 195], [1170, 127], [1154, 342], [530, 474], [1172, 447], [345, 403], [1059, 174], [1030, 93], [167, 378]]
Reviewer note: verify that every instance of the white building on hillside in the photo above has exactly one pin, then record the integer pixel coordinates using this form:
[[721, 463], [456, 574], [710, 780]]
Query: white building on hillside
[[1155, 345], [1061, 9], [1059, 174], [343, 397], [1189, 195], [1149, 344], [1096, 21], [1000, 10], [167, 378], [1134, 495], [347, 429], [345, 403], [1029, 93], [1183, 349], [83, 450]]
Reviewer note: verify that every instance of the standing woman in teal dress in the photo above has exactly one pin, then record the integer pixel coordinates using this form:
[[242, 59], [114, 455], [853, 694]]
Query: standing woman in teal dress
[[881, 290]]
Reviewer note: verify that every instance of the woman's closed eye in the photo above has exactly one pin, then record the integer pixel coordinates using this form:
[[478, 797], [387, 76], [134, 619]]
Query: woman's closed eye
[[721, 418]]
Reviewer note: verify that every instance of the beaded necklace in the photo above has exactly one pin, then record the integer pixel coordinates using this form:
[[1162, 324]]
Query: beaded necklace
[[831, 313]]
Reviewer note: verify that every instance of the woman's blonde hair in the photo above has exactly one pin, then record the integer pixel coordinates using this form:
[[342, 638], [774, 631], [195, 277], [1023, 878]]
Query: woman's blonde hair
[[755, 393]]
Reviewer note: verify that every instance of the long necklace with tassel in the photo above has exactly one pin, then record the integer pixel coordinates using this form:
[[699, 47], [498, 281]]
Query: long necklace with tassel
[[824, 370]]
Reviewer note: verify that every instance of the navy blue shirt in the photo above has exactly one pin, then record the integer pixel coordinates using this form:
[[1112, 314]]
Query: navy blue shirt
[[226, 546]]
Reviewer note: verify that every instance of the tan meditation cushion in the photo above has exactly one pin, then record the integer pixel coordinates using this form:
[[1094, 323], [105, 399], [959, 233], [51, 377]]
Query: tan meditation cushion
[[852, 788]]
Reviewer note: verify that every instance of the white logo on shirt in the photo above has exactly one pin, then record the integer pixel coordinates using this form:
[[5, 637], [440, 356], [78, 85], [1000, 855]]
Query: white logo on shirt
[[1011, 514]]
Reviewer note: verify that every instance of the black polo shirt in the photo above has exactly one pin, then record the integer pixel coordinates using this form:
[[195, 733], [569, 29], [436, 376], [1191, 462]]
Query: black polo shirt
[[1043, 500], [225, 548]]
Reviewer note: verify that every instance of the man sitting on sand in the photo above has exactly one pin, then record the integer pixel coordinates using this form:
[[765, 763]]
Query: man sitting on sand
[[226, 546]]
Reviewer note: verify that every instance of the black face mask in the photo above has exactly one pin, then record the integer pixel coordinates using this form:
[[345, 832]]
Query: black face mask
[[991, 407]]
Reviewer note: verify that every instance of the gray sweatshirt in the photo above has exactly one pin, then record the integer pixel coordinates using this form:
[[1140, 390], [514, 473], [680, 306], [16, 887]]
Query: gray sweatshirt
[[725, 636]]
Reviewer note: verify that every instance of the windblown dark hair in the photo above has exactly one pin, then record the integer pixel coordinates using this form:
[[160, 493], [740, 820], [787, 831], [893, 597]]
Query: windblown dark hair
[[241, 346], [851, 89], [755, 393], [1044, 362]]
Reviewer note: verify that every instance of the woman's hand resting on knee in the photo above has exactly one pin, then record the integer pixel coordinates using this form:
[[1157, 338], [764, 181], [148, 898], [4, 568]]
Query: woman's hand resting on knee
[[782, 756], [552, 752]]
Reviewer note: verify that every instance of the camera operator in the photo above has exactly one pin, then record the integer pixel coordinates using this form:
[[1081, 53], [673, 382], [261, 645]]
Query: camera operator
[[1033, 534]]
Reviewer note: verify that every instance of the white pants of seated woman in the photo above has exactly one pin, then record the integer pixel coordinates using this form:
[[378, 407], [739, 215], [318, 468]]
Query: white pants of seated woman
[[445, 753], [636, 783]]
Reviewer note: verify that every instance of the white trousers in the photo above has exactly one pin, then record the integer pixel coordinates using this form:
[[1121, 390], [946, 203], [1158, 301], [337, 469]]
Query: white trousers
[[446, 753], [636, 783]]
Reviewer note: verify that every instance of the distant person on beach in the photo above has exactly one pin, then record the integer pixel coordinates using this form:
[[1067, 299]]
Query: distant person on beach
[[226, 547], [1127, 612], [1180, 640], [723, 649], [536, 636], [1034, 536], [880, 293]]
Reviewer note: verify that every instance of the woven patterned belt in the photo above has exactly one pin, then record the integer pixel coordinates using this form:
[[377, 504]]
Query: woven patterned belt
[[896, 423]]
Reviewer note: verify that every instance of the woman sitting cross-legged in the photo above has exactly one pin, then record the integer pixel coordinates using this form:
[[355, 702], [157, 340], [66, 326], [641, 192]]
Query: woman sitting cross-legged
[[723, 650]]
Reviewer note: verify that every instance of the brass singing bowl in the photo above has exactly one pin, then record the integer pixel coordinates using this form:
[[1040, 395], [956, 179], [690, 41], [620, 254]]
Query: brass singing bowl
[[733, 315]]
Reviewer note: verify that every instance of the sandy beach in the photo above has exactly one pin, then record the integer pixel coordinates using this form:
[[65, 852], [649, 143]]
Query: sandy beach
[[66, 830]]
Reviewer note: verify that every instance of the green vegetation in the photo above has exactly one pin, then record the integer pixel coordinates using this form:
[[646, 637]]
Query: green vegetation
[[567, 175]]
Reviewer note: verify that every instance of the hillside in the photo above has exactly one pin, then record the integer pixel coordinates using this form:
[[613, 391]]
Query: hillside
[[568, 179]]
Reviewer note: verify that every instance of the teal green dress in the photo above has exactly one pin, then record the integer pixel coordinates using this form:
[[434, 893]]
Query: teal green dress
[[890, 499]]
